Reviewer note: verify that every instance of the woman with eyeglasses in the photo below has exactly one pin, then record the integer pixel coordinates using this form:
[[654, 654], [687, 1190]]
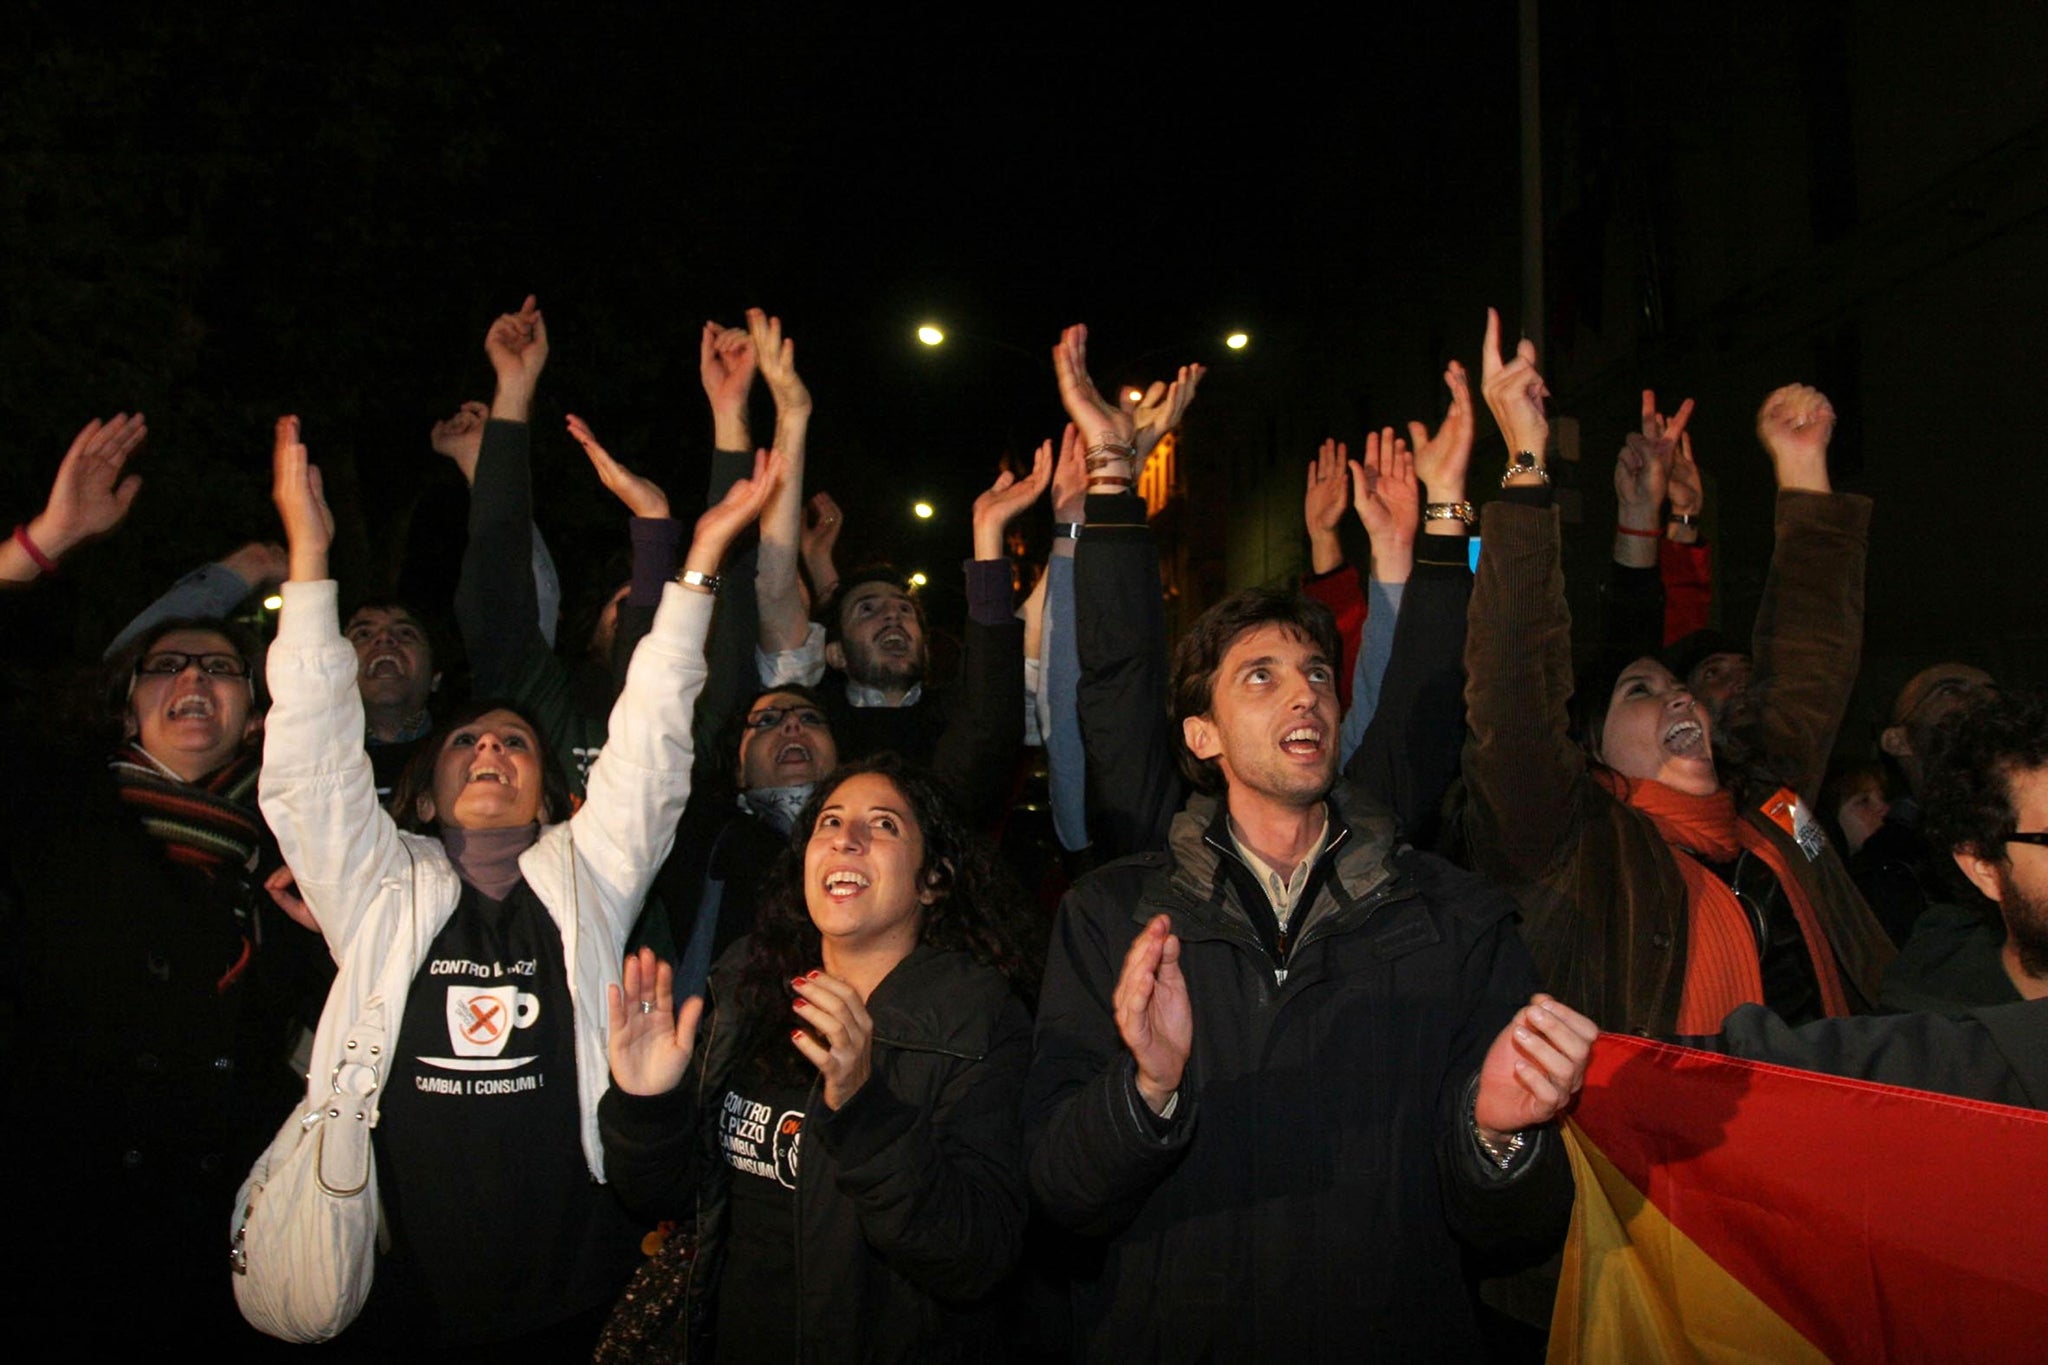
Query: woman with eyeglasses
[[838, 1125], [153, 988], [505, 917], [1670, 867]]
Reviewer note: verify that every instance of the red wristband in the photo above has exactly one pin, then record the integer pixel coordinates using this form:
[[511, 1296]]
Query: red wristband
[[1632, 531], [43, 562]]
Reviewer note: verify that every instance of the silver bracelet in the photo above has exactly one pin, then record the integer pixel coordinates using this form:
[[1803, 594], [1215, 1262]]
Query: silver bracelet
[[1451, 511], [1525, 462], [702, 582]]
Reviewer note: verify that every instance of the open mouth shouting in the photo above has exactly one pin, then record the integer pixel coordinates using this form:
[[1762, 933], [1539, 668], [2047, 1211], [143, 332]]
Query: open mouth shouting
[[1686, 738], [1303, 741], [844, 883]]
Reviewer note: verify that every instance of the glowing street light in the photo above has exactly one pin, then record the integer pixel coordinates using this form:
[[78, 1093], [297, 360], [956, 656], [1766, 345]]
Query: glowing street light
[[930, 335], [1237, 341], [917, 580], [1135, 395], [923, 510], [273, 603]]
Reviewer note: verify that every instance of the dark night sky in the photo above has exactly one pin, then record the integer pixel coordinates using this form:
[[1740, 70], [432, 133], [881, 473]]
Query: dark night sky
[[223, 212], [220, 212]]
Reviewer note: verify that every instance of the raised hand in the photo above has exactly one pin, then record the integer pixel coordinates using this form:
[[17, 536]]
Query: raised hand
[[1322, 505], [90, 495], [1641, 474], [643, 497], [1101, 422], [1441, 460], [1535, 1066], [461, 437], [734, 512], [1657, 426], [1383, 487], [1160, 408], [1005, 498], [1514, 392], [725, 363], [840, 1038], [1687, 493], [1795, 425], [649, 1041], [517, 344], [1153, 1014], [302, 504], [260, 563], [776, 355], [1070, 478]]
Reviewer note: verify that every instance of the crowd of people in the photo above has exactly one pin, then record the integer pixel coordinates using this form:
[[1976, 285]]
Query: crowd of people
[[723, 1018]]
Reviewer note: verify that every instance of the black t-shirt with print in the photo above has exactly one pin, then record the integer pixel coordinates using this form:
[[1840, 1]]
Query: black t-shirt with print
[[759, 1124], [497, 1228]]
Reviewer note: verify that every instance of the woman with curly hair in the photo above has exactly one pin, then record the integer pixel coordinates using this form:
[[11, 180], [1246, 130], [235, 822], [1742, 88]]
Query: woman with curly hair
[[841, 1122]]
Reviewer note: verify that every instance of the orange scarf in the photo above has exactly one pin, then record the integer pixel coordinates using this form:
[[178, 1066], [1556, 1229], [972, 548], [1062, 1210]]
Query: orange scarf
[[1721, 965]]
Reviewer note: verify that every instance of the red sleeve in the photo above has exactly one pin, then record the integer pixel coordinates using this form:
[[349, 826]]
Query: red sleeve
[[1687, 571], [1344, 595]]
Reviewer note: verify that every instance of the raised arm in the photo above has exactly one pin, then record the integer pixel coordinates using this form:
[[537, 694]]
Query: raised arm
[[1684, 562], [317, 791], [977, 750], [90, 496], [1120, 628], [1520, 764], [784, 625], [641, 781], [1809, 625], [214, 589]]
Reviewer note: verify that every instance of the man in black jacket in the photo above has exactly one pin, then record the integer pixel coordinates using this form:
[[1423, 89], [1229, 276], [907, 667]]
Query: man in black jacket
[[1282, 1083]]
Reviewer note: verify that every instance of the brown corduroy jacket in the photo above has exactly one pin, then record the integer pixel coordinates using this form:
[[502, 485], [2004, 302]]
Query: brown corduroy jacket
[[1603, 903]]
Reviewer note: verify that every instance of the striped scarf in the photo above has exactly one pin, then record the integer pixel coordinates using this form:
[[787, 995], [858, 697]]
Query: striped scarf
[[208, 825]]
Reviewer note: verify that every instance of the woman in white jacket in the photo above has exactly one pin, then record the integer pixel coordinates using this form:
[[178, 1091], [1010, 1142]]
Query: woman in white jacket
[[504, 929]]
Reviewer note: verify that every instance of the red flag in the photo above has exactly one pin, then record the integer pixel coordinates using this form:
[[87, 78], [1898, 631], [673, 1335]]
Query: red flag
[[1730, 1209]]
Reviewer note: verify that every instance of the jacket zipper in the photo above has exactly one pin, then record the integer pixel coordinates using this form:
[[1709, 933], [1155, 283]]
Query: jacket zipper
[[1381, 895]]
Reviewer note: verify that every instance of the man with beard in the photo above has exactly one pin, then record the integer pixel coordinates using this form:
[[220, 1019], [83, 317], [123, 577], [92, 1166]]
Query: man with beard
[[1898, 870], [396, 675], [1986, 804], [1986, 794]]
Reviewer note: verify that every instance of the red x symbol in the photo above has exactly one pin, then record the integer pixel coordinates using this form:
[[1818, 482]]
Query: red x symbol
[[483, 1025]]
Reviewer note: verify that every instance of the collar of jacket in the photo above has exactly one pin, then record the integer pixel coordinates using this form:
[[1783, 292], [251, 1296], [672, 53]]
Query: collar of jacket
[[1346, 886]]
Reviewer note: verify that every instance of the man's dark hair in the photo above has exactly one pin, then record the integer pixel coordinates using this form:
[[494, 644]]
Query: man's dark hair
[[1967, 806], [1200, 653], [121, 668], [556, 802], [826, 612], [440, 640]]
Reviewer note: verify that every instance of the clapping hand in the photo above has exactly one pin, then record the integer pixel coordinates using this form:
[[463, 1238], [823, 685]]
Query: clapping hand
[[1534, 1068], [643, 497], [301, 501], [1153, 1014]]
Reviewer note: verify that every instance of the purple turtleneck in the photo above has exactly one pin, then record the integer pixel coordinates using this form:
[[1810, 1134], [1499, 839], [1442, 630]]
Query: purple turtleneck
[[488, 859]]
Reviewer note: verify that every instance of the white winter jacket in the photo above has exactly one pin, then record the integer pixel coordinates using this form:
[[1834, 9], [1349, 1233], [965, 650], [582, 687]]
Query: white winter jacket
[[377, 891]]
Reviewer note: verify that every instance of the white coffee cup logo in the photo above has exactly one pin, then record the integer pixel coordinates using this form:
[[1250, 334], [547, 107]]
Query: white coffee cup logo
[[481, 1018]]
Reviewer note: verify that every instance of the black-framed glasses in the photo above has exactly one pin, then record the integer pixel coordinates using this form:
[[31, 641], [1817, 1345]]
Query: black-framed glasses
[[2039, 837], [768, 717], [169, 663]]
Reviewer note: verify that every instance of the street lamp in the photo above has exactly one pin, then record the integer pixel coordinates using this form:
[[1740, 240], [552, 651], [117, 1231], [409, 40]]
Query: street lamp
[[930, 335], [917, 580], [923, 510], [1237, 341]]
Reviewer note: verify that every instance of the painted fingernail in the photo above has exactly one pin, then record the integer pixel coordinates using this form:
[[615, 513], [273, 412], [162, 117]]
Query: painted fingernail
[[800, 1002], [796, 1035], [796, 981], [814, 976]]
